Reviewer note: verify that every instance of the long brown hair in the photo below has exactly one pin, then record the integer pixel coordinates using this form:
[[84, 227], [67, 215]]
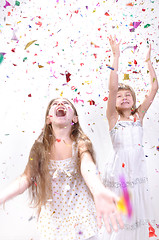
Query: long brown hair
[[37, 169], [127, 87]]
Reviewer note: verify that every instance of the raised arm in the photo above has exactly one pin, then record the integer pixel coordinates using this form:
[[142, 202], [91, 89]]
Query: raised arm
[[17, 187], [113, 83], [105, 200], [153, 87]]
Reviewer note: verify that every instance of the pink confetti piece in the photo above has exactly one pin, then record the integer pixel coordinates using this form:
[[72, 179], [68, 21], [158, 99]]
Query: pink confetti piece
[[7, 4], [126, 195]]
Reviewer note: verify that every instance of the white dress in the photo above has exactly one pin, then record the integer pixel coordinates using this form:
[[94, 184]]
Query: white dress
[[129, 160], [70, 213]]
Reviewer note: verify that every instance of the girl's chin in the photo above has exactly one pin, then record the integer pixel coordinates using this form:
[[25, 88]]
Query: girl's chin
[[123, 108]]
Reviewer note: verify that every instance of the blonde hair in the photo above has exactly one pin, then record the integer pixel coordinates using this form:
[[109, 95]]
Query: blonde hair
[[121, 87], [37, 169]]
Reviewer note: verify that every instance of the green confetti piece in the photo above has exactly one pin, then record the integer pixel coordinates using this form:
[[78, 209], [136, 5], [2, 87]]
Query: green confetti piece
[[1, 58], [17, 3], [24, 59], [147, 25]]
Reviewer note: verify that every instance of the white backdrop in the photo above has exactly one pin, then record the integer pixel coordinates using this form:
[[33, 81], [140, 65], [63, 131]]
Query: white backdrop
[[70, 37]]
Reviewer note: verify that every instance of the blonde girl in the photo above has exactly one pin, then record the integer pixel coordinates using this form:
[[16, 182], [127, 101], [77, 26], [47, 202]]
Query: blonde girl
[[125, 125]]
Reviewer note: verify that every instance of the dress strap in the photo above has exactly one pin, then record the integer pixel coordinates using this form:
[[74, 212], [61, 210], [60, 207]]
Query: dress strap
[[118, 118], [137, 114], [74, 149]]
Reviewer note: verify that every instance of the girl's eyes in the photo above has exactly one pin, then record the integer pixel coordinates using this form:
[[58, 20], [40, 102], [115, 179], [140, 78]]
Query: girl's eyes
[[118, 96], [56, 103]]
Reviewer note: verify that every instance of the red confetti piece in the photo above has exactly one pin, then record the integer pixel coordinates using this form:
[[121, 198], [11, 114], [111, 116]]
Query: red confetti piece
[[123, 165], [68, 76], [39, 24], [106, 14], [95, 55], [58, 140], [135, 62], [73, 88], [105, 99], [29, 95], [151, 231], [92, 102]]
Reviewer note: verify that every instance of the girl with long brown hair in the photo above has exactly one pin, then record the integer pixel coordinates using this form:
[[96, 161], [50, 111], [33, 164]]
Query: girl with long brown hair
[[63, 181]]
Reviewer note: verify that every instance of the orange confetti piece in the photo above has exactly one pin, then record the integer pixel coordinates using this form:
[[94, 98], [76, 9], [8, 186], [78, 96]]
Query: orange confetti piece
[[130, 4]]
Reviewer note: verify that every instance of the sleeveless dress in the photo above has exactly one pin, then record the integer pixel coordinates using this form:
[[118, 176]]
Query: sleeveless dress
[[70, 213], [129, 161]]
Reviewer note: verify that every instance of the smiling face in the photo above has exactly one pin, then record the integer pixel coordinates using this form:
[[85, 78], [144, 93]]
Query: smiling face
[[61, 112], [124, 100]]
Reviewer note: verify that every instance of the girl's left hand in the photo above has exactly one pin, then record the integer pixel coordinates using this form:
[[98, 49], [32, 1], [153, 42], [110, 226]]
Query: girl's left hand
[[105, 202], [148, 55]]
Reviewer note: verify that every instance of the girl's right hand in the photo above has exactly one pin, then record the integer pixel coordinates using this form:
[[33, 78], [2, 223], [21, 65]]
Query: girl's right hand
[[114, 45], [106, 207]]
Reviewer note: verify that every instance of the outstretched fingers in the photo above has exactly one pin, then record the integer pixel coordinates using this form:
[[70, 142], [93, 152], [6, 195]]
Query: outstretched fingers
[[107, 223]]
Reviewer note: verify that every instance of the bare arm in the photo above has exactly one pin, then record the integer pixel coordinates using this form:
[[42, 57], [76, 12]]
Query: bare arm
[[105, 200], [153, 87], [18, 186], [113, 83]]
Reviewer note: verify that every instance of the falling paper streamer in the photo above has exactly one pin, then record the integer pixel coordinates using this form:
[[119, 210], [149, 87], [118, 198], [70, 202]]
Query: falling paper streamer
[[29, 43], [127, 48]]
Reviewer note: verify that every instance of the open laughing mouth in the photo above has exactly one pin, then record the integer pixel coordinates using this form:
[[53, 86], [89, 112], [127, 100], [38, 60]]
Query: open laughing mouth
[[124, 103], [61, 112]]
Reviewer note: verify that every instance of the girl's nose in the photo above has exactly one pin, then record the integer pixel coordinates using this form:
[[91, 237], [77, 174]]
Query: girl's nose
[[60, 103]]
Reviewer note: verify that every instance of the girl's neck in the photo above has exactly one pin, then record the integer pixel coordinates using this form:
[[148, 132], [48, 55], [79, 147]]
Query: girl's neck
[[126, 115], [62, 133]]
